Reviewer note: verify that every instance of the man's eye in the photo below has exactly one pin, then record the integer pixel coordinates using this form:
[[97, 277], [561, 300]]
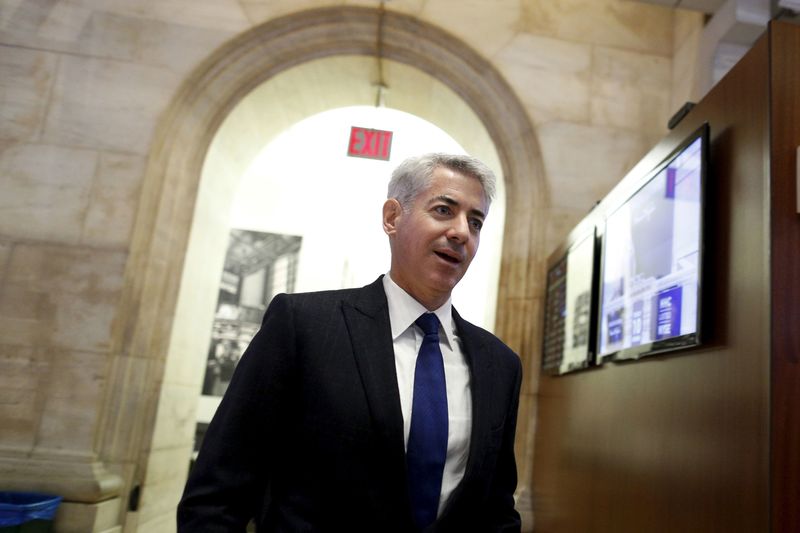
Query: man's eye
[[442, 210], [476, 224]]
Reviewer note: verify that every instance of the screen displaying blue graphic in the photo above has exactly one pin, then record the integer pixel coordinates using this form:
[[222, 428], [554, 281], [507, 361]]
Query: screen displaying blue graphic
[[651, 261]]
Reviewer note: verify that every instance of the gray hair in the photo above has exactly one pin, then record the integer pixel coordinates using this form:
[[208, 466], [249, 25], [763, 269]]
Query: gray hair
[[414, 174]]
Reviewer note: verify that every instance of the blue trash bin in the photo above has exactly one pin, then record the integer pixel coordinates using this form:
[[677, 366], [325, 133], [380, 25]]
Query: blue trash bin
[[27, 512]]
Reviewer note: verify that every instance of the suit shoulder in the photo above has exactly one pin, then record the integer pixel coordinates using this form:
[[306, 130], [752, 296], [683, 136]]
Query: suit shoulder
[[497, 346], [317, 301], [319, 296], [324, 301], [468, 328]]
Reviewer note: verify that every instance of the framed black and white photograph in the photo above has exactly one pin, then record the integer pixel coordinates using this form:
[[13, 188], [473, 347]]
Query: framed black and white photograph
[[257, 267]]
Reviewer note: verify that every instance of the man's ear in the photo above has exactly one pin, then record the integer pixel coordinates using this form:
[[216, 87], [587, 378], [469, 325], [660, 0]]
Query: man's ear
[[392, 211]]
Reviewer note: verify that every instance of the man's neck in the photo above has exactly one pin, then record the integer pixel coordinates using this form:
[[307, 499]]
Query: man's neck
[[431, 303]]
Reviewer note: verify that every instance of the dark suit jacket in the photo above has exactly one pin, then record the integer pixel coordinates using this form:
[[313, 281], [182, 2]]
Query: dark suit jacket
[[309, 436]]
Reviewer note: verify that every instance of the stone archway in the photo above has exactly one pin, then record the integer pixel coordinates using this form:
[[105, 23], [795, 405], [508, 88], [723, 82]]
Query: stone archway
[[142, 329]]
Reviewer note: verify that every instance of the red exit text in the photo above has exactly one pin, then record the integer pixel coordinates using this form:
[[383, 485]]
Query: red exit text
[[373, 144]]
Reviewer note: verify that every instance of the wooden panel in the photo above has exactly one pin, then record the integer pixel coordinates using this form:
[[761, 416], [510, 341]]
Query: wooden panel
[[681, 442], [785, 116]]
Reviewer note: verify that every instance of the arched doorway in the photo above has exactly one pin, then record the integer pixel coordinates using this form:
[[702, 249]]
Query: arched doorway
[[326, 201], [164, 221]]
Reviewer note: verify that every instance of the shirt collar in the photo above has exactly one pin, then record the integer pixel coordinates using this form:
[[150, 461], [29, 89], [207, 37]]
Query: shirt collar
[[404, 310]]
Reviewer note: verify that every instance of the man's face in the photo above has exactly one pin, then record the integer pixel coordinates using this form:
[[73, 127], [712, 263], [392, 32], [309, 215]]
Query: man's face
[[434, 239]]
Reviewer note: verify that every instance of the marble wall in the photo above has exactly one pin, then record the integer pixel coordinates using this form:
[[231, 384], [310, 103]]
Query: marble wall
[[86, 84]]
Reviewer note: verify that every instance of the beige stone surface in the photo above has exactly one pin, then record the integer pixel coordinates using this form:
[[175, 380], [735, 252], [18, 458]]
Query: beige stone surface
[[553, 75], [484, 26], [83, 320], [75, 517], [21, 316], [159, 500], [74, 392], [630, 90], [113, 200], [119, 444], [109, 35], [65, 269], [521, 259], [560, 221], [69, 423], [164, 523], [24, 16], [26, 77], [165, 464], [410, 7], [5, 253], [584, 162], [63, 21], [259, 11], [223, 14], [635, 26], [124, 34], [535, 320], [69, 26], [46, 191], [686, 24], [175, 424], [106, 104], [688, 31], [9, 7], [514, 266], [217, 14], [177, 47], [167, 472], [194, 316], [516, 326], [60, 297], [22, 392]]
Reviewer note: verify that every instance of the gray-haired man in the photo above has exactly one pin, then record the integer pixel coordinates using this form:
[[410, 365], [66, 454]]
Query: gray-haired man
[[375, 409]]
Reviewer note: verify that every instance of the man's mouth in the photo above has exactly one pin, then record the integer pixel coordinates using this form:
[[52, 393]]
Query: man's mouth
[[450, 257]]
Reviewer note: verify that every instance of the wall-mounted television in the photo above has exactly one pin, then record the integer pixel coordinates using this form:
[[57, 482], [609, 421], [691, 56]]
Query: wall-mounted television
[[652, 257], [570, 309]]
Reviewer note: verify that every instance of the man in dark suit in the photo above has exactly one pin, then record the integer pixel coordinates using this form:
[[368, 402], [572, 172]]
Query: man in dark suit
[[376, 409]]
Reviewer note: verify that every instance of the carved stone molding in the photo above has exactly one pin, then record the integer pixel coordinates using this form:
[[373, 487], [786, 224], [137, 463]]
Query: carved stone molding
[[74, 479]]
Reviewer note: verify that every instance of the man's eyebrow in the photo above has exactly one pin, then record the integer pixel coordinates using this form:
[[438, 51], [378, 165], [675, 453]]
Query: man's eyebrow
[[452, 201]]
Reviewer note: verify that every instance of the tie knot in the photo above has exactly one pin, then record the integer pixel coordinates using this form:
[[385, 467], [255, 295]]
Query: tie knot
[[429, 323]]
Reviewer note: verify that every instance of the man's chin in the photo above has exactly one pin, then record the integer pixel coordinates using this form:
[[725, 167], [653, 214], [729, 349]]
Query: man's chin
[[446, 283]]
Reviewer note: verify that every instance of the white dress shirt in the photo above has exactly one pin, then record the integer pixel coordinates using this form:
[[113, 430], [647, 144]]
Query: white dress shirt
[[407, 339]]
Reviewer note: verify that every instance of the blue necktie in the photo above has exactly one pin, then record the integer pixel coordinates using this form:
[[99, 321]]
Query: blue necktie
[[427, 439]]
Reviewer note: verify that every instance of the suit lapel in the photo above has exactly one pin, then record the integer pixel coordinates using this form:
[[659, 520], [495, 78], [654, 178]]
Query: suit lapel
[[482, 390], [367, 319]]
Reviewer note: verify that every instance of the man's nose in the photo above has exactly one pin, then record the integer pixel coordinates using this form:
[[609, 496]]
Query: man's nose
[[459, 229]]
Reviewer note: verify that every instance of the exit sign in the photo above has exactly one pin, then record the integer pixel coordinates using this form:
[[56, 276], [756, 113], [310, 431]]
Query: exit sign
[[373, 144]]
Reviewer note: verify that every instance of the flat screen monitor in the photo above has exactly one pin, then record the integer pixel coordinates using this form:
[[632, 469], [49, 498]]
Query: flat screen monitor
[[652, 247], [569, 310]]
